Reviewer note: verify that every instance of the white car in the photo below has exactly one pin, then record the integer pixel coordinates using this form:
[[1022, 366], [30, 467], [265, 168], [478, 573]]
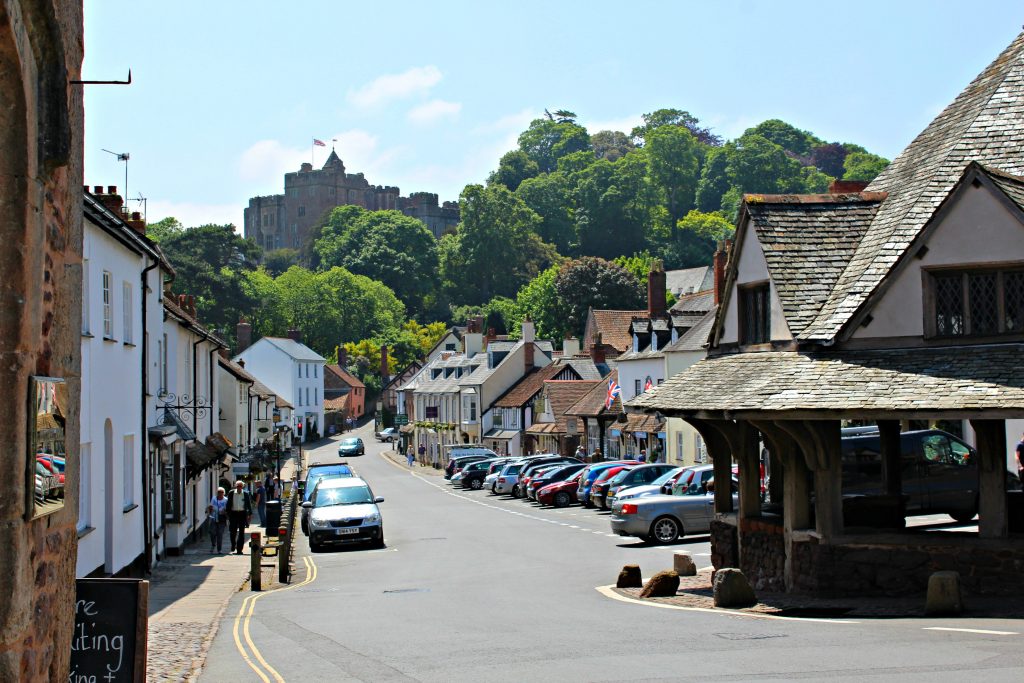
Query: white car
[[508, 479], [344, 510]]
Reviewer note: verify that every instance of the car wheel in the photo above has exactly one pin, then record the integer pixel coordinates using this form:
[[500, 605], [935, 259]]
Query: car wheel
[[562, 499], [476, 484], [515, 491], [494, 490], [305, 527], [666, 530]]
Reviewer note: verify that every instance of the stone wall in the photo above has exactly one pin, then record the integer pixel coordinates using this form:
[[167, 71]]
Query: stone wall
[[41, 127], [724, 547], [902, 565], [763, 556]]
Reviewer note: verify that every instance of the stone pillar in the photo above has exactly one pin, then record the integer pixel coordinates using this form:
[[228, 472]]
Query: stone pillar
[[892, 466], [991, 439]]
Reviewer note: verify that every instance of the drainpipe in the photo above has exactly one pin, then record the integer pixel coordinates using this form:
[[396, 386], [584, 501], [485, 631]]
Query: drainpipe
[[213, 360], [147, 484]]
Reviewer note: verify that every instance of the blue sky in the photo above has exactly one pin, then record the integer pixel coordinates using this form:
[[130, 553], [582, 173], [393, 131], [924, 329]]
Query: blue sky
[[427, 96]]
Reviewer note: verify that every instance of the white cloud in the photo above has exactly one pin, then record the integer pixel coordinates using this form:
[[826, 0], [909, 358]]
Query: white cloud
[[625, 124], [433, 111], [265, 163], [517, 123], [415, 81], [191, 214]]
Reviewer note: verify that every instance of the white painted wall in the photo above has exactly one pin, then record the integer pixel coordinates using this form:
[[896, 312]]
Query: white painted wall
[[300, 382], [752, 267], [977, 229], [634, 369]]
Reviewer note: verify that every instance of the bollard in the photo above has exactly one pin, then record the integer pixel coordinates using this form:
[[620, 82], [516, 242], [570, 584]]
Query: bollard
[[255, 552], [283, 553]]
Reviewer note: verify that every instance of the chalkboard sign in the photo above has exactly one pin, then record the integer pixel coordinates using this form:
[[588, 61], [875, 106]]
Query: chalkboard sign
[[111, 628]]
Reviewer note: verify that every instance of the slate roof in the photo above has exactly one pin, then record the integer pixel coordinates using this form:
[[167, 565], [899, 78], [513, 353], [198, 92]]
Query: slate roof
[[859, 383], [1012, 185], [523, 391], [698, 303], [584, 367], [696, 338], [613, 327], [808, 241], [693, 279], [296, 350], [592, 403], [985, 123], [178, 312]]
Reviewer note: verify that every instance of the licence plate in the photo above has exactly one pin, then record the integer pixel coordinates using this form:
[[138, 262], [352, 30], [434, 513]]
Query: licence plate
[[347, 530]]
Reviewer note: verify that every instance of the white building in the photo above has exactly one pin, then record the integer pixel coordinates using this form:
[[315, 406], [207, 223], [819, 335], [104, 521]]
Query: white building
[[122, 272], [294, 371]]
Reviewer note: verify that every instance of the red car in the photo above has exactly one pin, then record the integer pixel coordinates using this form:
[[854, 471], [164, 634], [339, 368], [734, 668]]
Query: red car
[[560, 494], [47, 462]]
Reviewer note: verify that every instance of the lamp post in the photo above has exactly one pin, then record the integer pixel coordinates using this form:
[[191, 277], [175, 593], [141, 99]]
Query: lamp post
[[278, 437]]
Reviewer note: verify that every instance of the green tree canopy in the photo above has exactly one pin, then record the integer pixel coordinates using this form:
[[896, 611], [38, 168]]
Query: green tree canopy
[[863, 166], [513, 168], [611, 203], [674, 162], [677, 118], [280, 260], [714, 179], [590, 282], [611, 144], [786, 136], [548, 140], [757, 164], [549, 196], [540, 301], [162, 229]]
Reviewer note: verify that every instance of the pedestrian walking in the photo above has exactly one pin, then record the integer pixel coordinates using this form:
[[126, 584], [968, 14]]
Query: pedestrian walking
[[581, 453], [423, 454], [259, 496], [409, 455], [239, 507], [216, 515]]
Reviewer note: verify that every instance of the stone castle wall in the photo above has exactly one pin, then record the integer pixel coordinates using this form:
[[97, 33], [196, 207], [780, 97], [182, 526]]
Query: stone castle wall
[[41, 128]]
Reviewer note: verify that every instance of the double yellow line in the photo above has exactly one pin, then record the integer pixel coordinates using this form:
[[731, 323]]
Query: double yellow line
[[260, 665]]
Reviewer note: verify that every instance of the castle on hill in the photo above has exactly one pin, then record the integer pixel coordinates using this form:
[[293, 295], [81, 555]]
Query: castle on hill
[[284, 220]]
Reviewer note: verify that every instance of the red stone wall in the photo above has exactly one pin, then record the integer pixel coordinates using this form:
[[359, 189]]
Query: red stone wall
[[763, 556], [40, 318]]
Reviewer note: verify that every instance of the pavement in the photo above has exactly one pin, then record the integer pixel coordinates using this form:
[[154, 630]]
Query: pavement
[[187, 598]]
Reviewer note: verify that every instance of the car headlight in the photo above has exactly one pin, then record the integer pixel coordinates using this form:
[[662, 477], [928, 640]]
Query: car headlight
[[319, 523], [371, 518]]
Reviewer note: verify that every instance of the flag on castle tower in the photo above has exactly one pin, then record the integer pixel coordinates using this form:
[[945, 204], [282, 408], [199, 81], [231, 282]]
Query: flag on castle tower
[[319, 143]]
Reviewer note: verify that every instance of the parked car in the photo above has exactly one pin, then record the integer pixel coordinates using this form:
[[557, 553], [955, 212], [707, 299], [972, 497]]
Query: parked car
[[344, 510], [639, 475], [662, 484], [474, 473], [556, 473], [314, 473], [47, 462], [599, 489], [525, 482], [459, 450], [665, 519], [461, 461], [561, 493], [508, 479], [542, 460], [352, 445], [591, 473], [388, 434]]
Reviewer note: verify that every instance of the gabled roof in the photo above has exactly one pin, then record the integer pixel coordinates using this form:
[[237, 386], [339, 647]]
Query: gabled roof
[[985, 123], [808, 241], [613, 326], [698, 303], [562, 395], [698, 279], [523, 391], [237, 370], [296, 350], [344, 375], [1012, 185], [592, 403], [696, 338], [339, 403], [401, 376]]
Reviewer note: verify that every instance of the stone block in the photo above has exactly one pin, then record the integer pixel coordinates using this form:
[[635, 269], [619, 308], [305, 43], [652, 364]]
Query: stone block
[[944, 597], [661, 585], [731, 589], [683, 564], [630, 577]]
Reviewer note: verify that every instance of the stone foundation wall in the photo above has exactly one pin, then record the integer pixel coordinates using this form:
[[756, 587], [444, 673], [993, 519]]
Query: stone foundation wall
[[763, 556], [985, 568], [724, 546]]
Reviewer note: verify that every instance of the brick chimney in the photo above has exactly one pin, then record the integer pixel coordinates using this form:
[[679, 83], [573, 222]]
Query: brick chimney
[[342, 356], [597, 350], [656, 289], [295, 335], [847, 186], [136, 223], [243, 333], [528, 334], [570, 346], [110, 199], [384, 370], [491, 336], [721, 255]]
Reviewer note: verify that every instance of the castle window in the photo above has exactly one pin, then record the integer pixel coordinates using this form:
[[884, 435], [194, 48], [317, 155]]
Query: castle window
[[331, 191], [302, 211], [976, 302], [755, 314]]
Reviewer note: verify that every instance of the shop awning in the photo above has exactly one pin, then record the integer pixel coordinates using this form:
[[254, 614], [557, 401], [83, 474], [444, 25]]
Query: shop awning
[[542, 428], [172, 418], [407, 429], [200, 457], [502, 434]]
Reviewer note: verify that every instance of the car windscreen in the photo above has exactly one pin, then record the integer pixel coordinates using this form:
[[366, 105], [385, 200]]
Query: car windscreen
[[663, 479], [512, 469], [313, 478], [350, 442], [347, 495]]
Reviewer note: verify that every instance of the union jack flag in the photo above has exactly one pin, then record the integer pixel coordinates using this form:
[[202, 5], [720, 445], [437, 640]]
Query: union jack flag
[[648, 385], [613, 390]]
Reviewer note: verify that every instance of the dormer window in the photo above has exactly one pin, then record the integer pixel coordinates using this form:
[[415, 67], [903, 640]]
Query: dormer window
[[977, 302], [755, 314]]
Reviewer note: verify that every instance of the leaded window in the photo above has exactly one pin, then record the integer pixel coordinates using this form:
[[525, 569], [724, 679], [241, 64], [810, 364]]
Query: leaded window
[[978, 302], [755, 314]]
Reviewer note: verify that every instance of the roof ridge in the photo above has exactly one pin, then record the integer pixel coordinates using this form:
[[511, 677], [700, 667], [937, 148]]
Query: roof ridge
[[821, 198]]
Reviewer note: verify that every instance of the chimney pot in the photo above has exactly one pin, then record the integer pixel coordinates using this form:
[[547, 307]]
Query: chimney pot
[[656, 303], [97, 189], [136, 216], [295, 335], [85, 188], [111, 189], [243, 334], [718, 264], [597, 350], [847, 186]]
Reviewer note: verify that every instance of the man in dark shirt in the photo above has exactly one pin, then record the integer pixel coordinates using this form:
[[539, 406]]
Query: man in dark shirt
[[239, 515]]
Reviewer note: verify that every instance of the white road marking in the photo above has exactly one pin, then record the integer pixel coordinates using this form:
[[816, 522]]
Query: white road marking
[[971, 630]]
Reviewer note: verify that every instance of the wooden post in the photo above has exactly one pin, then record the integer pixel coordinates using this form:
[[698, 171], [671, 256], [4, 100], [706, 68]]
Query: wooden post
[[828, 477], [991, 439], [776, 476], [255, 553], [747, 454], [892, 457], [721, 458]]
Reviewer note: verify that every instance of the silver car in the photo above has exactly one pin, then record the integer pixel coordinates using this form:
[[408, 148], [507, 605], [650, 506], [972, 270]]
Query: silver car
[[344, 510], [508, 480], [666, 518]]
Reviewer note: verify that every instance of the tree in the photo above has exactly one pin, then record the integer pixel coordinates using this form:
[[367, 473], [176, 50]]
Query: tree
[[549, 196], [495, 248], [547, 140], [163, 229], [863, 166], [815, 182], [829, 158], [611, 202], [590, 282], [540, 301], [674, 167], [679, 118], [280, 260], [513, 168], [266, 313], [388, 246], [714, 179], [209, 261], [786, 136], [611, 144], [698, 233], [757, 164]]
